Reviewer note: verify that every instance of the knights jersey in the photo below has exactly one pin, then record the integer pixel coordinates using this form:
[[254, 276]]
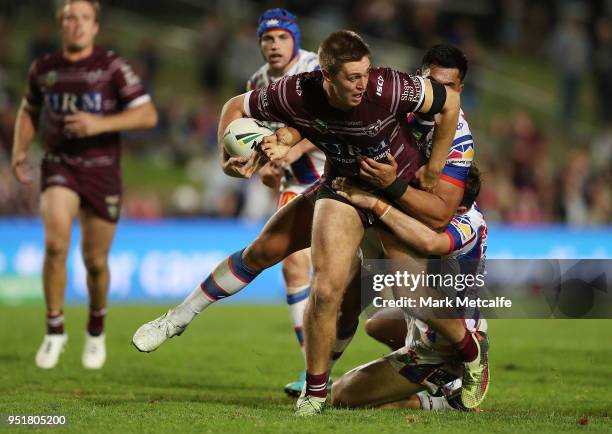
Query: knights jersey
[[372, 129], [461, 152], [468, 235], [309, 167]]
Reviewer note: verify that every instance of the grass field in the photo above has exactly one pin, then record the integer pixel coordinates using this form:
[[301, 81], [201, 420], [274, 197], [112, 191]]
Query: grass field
[[226, 373]]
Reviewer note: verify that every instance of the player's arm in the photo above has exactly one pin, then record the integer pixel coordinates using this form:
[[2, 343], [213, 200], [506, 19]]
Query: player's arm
[[84, 124], [434, 209], [26, 125], [237, 167], [445, 102], [408, 229]]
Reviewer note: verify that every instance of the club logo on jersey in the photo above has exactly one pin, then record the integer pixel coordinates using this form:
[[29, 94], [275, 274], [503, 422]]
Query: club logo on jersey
[[461, 154], [93, 76], [320, 126], [373, 129], [51, 78]]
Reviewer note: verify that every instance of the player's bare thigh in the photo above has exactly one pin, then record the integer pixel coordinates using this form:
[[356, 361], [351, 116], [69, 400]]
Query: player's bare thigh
[[287, 231], [372, 385], [337, 232], [58, 208]]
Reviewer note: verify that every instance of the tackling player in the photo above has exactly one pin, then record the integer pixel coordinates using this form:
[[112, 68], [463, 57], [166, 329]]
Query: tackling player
[[87, 95], [279, 39], [426, 361]]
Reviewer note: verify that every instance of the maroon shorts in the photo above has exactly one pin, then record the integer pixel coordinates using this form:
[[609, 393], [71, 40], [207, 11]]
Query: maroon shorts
[[97, 182]]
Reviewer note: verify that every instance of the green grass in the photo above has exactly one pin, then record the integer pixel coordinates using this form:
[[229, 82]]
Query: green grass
[[226, 373]]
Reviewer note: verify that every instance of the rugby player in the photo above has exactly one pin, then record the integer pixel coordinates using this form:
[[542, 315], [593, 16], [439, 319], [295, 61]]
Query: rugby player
[[87, 95], [427, 360], [345, 87], [279, 39]]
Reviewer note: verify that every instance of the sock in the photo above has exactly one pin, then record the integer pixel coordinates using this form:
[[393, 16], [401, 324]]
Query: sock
[[343, 339], [316, 384], [297, 304], [230, 276], [55, 324], [467, 348], [95, 325], [429, 403]]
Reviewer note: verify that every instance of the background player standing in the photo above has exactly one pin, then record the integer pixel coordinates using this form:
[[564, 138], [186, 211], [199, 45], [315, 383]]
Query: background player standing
[[88, 95], [279, 39]]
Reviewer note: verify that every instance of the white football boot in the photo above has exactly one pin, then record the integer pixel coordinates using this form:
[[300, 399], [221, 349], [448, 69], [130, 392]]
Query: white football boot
[[94, 351], [50, 350], [151, 335]]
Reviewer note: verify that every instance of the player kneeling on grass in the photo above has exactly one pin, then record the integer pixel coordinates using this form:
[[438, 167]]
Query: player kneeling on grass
[[426, 361]]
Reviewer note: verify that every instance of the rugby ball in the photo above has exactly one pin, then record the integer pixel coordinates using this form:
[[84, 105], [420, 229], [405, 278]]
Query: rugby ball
[[242, 136]]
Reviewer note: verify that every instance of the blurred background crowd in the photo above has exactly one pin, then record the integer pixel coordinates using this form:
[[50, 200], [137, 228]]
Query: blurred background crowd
[[538, 95]]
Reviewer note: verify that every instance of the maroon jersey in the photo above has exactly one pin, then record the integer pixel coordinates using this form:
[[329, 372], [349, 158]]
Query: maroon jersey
[[102, 83], [373, 128]]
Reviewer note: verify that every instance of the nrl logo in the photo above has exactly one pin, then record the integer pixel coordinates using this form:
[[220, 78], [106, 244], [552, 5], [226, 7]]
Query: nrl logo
[[51, 78], [320, 126]]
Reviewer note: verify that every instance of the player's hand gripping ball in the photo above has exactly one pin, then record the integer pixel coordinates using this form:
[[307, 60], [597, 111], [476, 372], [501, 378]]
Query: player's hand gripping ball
[[243, 136]]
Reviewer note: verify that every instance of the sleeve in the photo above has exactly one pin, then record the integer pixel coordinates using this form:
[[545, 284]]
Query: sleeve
[[276, 102], [33, 98], [129, 86], [460, 156], [398, 92], [460, 232]]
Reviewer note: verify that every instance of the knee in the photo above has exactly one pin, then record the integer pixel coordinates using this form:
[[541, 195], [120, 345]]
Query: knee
[[56, 248], [340, 395], [372, 328], [326, 297], [95, 263]]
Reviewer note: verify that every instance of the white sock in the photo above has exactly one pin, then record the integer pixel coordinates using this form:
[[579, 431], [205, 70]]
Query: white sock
[[230, 276], [431, 403], [297, 304]]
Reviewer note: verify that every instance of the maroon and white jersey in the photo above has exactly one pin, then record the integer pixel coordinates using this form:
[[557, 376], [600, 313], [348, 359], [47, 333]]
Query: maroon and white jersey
[[375, 127], [103, 83]]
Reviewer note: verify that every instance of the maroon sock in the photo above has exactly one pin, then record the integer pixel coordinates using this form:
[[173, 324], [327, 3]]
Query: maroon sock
[[467, 348], [316, 384], [55, 324], [95, 325]]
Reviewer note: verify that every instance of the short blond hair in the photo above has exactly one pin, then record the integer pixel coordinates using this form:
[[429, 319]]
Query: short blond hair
[[95, 4]]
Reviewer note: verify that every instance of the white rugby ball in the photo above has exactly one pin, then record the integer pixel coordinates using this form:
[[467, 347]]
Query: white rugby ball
[[243, 135]]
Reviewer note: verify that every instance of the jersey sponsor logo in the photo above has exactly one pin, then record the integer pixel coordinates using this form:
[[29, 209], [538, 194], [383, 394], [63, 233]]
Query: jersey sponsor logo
[[461, 154], [57, 179], [462, 223], [409, 91], [67, 102], [272, 22], [298, 89], [379, 85], [130, 76]]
